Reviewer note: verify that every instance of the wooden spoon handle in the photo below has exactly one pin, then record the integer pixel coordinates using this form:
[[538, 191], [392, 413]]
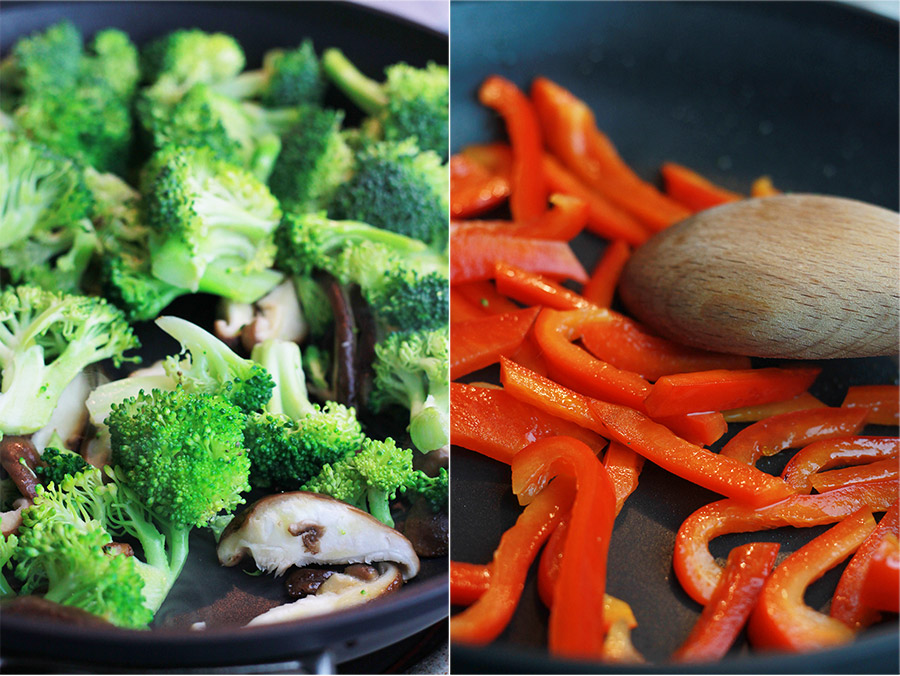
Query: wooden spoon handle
[[793, 276]]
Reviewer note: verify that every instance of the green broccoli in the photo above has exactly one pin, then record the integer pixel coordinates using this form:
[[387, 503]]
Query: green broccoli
[[412, 102], [124, 262], [315, 305], [58, 464], [412, 371], [289, 77], [46, 339], [409, 301], [291, 441], [212, 367], [8, 544], [433, 489], [49, 60], [62, 544], [314, 160], [188, 56], [398, 188], [46, 236], [212, 225], [368, 480]]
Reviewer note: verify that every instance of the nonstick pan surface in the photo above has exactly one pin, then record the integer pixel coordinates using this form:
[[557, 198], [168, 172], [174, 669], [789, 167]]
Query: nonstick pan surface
[[804, 92], [227, 597]]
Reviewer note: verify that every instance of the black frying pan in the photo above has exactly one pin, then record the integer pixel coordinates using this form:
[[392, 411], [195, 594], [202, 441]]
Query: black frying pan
[[373, 40], [804, 92]]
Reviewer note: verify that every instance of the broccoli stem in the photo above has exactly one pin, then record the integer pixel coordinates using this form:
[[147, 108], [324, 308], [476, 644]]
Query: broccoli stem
[[282, 360], [428, 426], [378, 505], [363, 91]]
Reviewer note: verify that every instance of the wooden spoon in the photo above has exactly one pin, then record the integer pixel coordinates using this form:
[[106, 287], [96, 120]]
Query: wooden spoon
[[792, 276]]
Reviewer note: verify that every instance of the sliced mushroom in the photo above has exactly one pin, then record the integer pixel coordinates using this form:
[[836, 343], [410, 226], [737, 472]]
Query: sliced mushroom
[[235, 316], [301, 529], [339, 591], [12, 519], [19, 458], [276, 315], [70, 416]]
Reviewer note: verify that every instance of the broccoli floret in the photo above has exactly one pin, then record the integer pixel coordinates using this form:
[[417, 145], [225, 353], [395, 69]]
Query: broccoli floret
[[317, 367], [288, 78], [49, 60], [368, 480], [189, 56], [46, 237], [291, 441], [8, 544], [412, 371], [314, 160], [58, 464], [315, 305], [125, 265], [398, 188], [310, 242], [433, 489], [115, 61], [412, 102], [46, 339], [182, 453], [212, 225], [409, 301], [212, 367], [63, 546]]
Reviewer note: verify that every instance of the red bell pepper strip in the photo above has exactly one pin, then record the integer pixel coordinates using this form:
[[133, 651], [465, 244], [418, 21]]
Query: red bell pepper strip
[[573, 366], [476, 253], [697, 570], [563, 222], [533, 289], [485, 295], [781, 619], [492, 422], [881, 588], [484, 620], [801, 402], [571, 134], [793, 430], [651, 440], [623, 342], [495, 157], [828, 481], [604, 219], [468, 582], [731, 603], [462, 309], [763, 187], [703, 429], [823, 455], [689, 188], [528, 196], [601, 287], [722, 389], [478, 343], [530, 355], [847, 604], [473, 188], [576, 626], [624, 468], [883, 402]]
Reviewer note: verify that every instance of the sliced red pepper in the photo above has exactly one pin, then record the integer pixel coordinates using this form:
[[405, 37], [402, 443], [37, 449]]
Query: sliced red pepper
[[478, 343], [881, 589], [723, 389], [882, 401], [624, 468], [763, 187], [823, 455], [697, 570], [576, 626], [694, 191], [528, 196], [563, 222], [484, 620], [530, 355], [473, 188], [731, 603], [651, 440], [601, 287], [792, 430], [492, 422], [847, 604], [462, 309], [573, 366], [495, 157], [623, 342], [828, 481], [533, 289], [485, 295], [781, 619], [703, 429], [468, 582], [571, 134], [801, 402], [476, 253]]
